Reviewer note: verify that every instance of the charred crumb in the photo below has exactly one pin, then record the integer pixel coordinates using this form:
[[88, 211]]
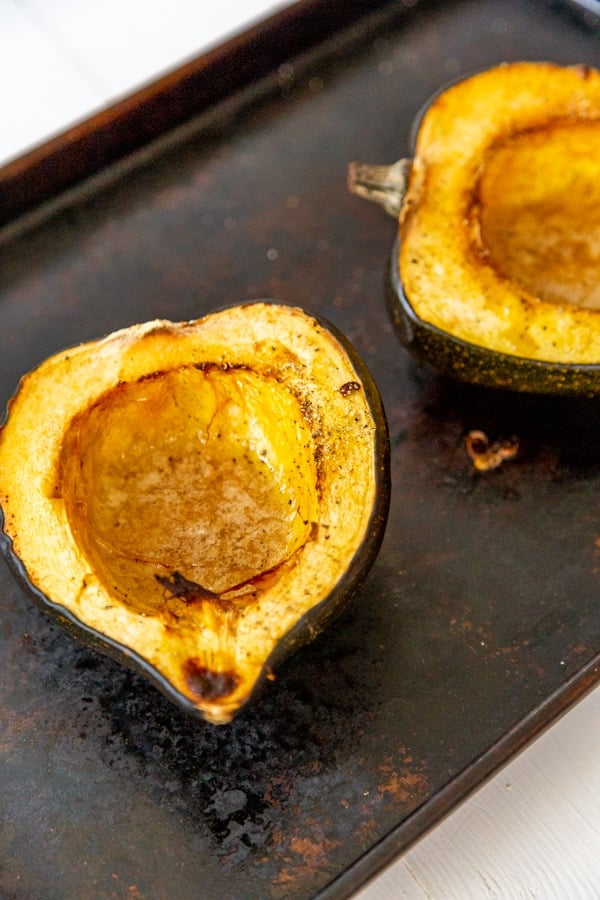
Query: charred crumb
[[487, 455], [349, 388]]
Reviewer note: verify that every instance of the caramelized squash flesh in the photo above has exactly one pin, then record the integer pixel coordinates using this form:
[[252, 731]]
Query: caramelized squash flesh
[[198, 475], [539, 211]]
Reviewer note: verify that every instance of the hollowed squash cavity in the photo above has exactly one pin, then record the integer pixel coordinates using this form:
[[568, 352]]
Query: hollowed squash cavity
[[539, 209], [199, 474]]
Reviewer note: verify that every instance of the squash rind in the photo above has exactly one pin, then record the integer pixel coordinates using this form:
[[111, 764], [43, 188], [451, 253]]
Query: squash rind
[[455, 358]]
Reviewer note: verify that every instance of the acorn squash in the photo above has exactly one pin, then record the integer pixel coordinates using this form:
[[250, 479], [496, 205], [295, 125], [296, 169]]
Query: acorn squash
[[495, 276], [198, 498]]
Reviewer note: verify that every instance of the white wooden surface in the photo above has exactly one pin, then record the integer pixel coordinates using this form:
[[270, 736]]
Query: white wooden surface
[[533, 831]]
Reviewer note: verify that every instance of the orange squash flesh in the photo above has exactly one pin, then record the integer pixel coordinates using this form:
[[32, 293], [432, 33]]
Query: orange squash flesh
[[500, 225]]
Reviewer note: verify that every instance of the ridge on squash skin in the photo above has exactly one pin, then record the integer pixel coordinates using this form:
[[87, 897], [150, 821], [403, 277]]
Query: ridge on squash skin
[[184, 503]]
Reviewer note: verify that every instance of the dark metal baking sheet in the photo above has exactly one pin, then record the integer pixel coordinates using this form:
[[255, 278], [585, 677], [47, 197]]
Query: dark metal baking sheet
[[480, 621]]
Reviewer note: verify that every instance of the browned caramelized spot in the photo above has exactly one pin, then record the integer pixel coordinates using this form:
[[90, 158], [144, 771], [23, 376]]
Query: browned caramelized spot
[[158, 330], [148, 376], [349, 388], [206, 683], [179, 586], [584, 71], [220, 367]]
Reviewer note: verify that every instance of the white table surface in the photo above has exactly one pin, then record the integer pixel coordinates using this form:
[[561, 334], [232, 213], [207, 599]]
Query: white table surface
[[532, 831]]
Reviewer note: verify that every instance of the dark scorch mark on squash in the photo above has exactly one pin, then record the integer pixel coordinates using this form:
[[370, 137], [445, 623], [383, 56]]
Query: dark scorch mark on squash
[[179, 586], [208, 684]]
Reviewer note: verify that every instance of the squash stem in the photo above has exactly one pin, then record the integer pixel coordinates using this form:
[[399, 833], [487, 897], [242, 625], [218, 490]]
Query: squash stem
[[385, 185]]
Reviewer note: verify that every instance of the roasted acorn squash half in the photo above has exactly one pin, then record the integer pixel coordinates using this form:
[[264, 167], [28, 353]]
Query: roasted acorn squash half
[[198, 498], [495, 277]]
